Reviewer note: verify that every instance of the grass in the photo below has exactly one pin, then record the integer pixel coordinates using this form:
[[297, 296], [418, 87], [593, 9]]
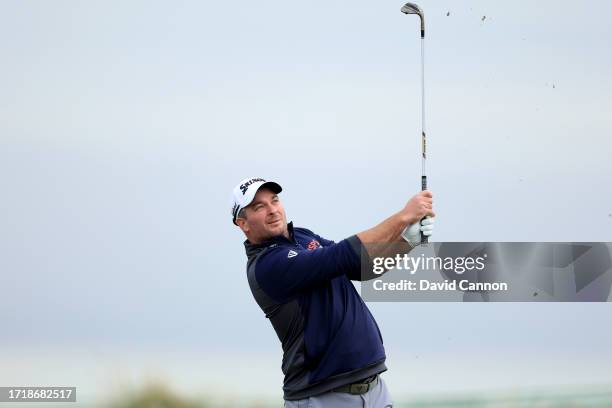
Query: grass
[[157, 395]]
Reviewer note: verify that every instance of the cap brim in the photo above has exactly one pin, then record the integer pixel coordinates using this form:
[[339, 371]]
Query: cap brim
[[275, 187]]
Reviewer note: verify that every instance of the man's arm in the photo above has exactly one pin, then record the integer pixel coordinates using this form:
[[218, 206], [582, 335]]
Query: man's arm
[[283, 272], [388, 231], [384, 240]]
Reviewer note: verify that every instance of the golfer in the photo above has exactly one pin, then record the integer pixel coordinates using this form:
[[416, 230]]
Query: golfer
[[332, 348]]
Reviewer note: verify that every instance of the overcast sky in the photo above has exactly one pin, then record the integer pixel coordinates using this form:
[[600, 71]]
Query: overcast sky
[[125, 125]]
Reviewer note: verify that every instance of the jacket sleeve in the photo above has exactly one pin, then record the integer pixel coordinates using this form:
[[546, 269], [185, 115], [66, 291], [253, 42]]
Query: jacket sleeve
[[363, 273], [324, 242], [283, 272]]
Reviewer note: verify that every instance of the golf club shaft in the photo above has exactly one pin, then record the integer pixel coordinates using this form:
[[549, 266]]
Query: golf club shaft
[[411, 8], [424, 239]]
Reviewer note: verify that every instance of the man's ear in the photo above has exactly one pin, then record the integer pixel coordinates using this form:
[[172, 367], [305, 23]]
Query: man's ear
[[242, 224]]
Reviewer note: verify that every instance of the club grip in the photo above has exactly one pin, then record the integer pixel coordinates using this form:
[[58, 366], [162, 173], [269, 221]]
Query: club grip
[[424, 238]]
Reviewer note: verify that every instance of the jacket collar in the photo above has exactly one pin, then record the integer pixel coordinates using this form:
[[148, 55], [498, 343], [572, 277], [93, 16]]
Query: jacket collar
[[252, 249]]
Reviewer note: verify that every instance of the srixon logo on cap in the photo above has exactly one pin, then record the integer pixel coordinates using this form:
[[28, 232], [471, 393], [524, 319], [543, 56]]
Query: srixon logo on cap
[[244, 187]]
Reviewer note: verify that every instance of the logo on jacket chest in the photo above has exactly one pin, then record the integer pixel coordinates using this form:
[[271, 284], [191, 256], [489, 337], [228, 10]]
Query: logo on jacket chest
[[312, 245]]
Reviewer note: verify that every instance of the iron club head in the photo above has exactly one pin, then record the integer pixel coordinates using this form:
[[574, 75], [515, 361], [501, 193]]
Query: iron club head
[[411, 8]]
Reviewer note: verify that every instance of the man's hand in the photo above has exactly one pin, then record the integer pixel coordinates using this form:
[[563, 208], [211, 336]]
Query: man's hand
[[418, 207], [405, 225], [412, 233], [390, 230]]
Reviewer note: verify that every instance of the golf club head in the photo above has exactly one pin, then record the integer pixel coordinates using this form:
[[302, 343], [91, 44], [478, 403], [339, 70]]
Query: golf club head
[[411, 8]]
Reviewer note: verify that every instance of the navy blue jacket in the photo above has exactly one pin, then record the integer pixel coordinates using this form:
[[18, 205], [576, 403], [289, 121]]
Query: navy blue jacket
[[328, 335]]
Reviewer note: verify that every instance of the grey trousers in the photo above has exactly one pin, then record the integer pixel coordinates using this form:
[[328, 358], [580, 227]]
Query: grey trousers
[[377, 397]]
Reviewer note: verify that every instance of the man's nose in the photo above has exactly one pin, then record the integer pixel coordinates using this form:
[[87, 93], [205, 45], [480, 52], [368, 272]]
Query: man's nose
[[272, 209]]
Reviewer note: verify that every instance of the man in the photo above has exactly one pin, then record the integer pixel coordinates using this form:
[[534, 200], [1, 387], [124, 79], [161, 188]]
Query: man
[[332, 347]]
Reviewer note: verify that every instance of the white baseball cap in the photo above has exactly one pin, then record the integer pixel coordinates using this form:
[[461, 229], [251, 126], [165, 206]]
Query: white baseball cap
[[244, 193]]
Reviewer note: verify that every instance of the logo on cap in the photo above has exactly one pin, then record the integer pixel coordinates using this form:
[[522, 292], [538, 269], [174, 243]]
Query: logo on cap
[[244, 187]]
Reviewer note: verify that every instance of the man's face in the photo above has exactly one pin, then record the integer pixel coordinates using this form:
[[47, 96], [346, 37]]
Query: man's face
[[265, 217]]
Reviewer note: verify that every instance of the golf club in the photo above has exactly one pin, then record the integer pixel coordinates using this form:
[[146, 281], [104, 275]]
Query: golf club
[[411, 8]]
